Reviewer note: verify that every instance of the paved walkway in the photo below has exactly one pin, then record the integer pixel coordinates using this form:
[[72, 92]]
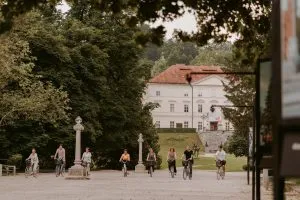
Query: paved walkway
[[110, 185]]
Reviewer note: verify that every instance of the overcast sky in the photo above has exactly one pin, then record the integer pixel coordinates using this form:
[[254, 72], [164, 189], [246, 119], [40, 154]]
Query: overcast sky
[[185, 23]]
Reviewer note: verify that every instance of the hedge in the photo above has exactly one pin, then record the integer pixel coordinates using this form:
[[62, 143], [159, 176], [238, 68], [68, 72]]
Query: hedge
[[176, 130]]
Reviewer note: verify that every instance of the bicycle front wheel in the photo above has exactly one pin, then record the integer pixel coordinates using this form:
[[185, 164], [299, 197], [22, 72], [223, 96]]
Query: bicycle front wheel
[[151, 171], [27, 172], [172, 171], [218, 173], [125, 170], [185, 173]]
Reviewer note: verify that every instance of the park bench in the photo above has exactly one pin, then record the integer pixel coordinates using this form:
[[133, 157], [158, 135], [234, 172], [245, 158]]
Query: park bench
[[6, 170]]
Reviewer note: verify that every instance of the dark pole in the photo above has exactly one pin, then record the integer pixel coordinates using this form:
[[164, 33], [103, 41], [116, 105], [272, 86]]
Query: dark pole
[[254, 154], [276, 102], [189, 80]]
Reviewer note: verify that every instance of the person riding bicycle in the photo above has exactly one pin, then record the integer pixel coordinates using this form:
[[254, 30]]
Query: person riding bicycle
[[151, 158], [188, 156], [34, 160], [87, 158], [60, 154], [221, 157], [171, 159], [125, 157]]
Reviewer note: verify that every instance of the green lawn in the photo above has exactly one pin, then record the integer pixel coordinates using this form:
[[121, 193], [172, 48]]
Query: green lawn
[[233, 163], [180, 140], [177, 140]]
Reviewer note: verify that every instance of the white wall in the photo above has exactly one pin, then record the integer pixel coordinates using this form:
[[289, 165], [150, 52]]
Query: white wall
[[206, 92]]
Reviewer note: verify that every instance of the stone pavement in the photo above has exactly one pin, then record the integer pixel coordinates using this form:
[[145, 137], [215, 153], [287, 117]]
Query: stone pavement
[[110, 185]]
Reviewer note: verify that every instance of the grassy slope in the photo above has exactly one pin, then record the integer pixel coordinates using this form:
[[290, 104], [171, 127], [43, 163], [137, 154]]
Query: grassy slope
[[177, 140], [180, 140]]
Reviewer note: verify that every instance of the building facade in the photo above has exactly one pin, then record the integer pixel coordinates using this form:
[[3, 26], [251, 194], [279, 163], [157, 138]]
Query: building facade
[[184, 105]]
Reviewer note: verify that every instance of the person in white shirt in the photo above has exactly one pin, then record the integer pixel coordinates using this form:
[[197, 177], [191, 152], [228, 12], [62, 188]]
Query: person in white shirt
[[33, 157], [221, 157], [87, 158]]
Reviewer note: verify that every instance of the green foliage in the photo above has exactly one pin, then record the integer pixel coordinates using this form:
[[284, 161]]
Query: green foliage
[[176, 130], [97, 62], [237, 145], [16, 160], [214, 55], [246, 18], [23, 95]]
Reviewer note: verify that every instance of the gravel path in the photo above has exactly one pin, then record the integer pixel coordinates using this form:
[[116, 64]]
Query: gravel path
[[110, 185]]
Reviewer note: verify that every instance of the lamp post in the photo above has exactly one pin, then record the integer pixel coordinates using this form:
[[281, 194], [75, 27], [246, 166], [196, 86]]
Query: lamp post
[[189, 80], [255, 143]]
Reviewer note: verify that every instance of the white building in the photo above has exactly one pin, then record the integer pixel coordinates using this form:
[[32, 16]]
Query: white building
[[179, 107]]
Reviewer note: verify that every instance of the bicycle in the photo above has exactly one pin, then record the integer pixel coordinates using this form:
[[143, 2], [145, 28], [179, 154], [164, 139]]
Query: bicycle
[[60, 167], [86, 166], [29, 169], [220, 170], [187, 165], [124, 168], [151, 164], [172, 168]]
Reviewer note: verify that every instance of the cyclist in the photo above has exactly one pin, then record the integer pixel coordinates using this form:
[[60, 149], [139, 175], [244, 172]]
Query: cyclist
[[87, 158], [151, 157], [221, 157], [61, 155], [188, 156], [125, 157], [171, 159], [33, 157]]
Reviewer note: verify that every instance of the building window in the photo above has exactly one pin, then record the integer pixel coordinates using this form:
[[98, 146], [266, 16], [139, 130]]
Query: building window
[[200, 126], [186, 108], [157, 124], [186, 94], [200, 108], [227, 126], [200, 94], [172, 124], [172, 107], [186, 124], [157, 93]]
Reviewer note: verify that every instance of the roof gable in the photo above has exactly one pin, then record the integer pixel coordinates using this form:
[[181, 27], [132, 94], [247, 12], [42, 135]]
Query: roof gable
[[176, 74]]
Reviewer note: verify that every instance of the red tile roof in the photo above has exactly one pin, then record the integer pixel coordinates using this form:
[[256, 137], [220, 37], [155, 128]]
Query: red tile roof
[[176, 74]]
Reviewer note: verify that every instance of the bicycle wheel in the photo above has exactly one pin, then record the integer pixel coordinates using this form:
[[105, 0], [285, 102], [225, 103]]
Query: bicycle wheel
[[125, 170], [185, 173], [151, 171], [222, 173], [172, 171], [57, 170], [218, 173], [27, 172], [190, 171], [62, 170]]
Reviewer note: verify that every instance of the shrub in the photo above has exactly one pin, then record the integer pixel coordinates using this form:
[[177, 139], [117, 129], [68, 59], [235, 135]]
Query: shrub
[[15, 159]]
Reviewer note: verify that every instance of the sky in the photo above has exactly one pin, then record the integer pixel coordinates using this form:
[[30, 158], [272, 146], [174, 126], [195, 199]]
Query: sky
[[185, 23]]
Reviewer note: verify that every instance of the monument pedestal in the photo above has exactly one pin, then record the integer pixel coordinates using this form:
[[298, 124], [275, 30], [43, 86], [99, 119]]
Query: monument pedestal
[[77, 172], [140, 168]]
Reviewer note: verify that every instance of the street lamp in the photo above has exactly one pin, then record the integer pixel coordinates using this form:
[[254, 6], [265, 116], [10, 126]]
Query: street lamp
[[189, 80]]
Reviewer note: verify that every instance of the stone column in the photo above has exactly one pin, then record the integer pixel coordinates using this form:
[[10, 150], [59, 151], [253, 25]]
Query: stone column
[[140, 168], [77, 171]]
